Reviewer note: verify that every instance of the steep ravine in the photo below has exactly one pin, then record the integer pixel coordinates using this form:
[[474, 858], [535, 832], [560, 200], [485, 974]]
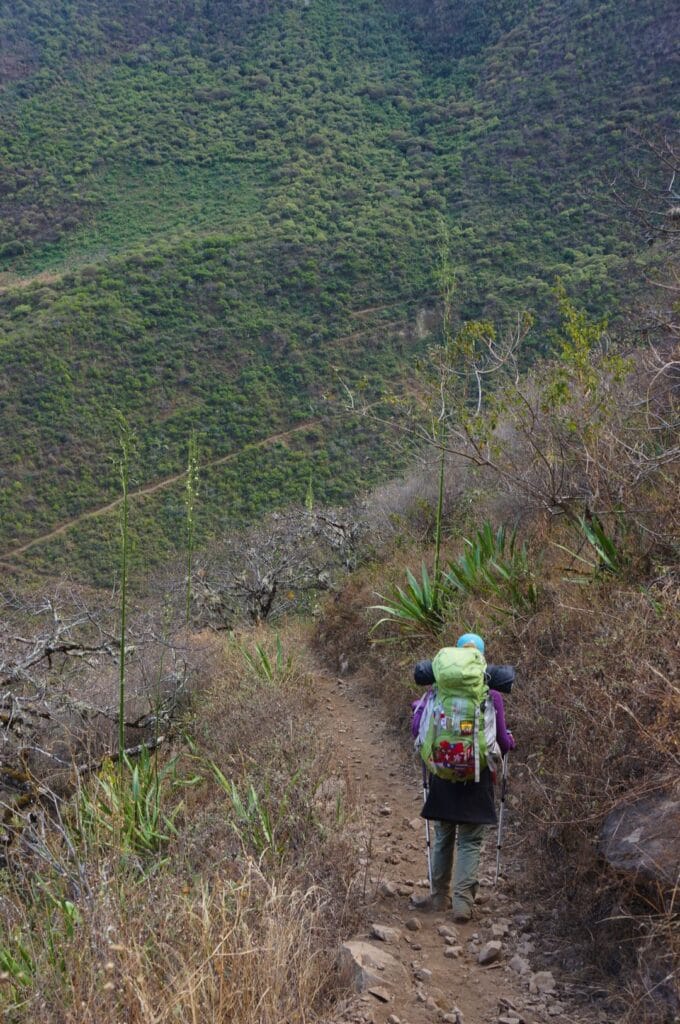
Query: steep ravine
[[432, 971]]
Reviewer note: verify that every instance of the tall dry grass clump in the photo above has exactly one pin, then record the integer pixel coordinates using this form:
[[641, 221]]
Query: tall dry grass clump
[[237, 951], [213, 885]]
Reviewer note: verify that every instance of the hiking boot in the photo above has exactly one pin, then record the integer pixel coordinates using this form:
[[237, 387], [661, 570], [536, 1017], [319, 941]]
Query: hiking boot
[[462, 911], [462, 916], [437, 902]]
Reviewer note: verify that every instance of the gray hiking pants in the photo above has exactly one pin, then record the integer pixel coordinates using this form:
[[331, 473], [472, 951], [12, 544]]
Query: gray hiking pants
[[467, 841]]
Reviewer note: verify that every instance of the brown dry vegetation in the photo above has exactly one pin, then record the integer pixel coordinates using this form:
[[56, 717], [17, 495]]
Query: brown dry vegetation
[[235, 915]]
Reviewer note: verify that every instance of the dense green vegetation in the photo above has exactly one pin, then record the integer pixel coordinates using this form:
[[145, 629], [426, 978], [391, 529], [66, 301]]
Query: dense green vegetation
[[196, 199]]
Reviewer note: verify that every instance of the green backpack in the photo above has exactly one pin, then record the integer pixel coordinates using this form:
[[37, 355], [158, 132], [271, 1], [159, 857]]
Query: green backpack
[[458, 739]]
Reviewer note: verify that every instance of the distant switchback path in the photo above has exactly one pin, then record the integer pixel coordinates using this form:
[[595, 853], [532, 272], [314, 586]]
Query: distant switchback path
[[160, 485]]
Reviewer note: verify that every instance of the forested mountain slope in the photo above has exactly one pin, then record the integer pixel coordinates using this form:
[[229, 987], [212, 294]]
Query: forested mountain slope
[[201, 200]]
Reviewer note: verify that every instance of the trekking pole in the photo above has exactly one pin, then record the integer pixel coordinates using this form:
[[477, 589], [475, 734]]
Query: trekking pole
[[499, 840], [428, 844]]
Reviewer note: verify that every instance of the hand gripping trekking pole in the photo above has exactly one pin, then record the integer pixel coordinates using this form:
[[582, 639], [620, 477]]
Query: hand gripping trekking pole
[[428, 844], [499, 840]]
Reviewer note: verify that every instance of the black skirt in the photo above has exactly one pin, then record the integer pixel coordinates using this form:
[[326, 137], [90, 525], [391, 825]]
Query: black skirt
[[469, 802]]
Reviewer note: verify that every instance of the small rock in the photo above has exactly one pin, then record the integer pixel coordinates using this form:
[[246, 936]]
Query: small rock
[[381, 994], [453, 952], [519, 964], [413, 924], [509, 1020], [384, 933], [423, 974], [499, 931], [405, 890], [393, 1019], [555, 1009], [431, 1003], [455, 1017], [447, 931], [387, 888], [385, 810], [491, 952], [542, 983], [416, 824], [363, 963], [420, 996]]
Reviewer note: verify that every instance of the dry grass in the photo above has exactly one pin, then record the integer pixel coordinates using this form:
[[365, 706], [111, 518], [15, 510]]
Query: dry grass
[[222, 951], [233, 919]]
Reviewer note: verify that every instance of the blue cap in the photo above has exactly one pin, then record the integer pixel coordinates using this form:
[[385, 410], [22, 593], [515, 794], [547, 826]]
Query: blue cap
[[471, 638]]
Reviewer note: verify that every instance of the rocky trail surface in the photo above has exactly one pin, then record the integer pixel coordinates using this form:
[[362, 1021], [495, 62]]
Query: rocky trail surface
[[409, 966]]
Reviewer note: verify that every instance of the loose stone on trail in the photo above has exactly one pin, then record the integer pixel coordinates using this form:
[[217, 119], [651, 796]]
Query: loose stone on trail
[[384, 933], [519, 964], [491, 952], [387, 888], [363, 964], [381, 994], [542, 983], [453, 952]]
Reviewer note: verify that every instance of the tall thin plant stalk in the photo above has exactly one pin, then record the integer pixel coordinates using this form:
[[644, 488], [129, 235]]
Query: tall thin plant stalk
[[309, 496], [439, 516], [446, 279], [190, 494], [126, 439]]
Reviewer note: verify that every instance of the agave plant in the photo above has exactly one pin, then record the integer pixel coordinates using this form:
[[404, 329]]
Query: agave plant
[[417, 610], [608, 557], [493, 563], [257, 820], [274, 668], [124, 809]]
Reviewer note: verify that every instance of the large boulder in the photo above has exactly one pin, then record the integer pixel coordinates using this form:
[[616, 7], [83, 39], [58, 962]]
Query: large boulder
[[642, 838]]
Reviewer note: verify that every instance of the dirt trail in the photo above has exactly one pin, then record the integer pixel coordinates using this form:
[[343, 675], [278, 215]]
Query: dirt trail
[[141, 492], [438, 975]]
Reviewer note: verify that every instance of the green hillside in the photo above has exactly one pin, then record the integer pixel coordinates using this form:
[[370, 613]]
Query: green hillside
[[200, 201]]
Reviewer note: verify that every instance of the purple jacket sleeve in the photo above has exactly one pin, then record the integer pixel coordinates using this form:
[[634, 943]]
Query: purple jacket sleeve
[[505, 739]]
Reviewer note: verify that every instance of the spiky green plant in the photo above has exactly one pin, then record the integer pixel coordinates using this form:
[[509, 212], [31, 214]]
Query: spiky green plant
[[124, 808], [16, 963], [418, 610], [493, 563], [255, 821], [608, 556], [272, 669]]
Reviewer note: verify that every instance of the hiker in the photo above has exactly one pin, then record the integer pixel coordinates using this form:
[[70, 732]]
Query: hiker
[[461, 810]]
